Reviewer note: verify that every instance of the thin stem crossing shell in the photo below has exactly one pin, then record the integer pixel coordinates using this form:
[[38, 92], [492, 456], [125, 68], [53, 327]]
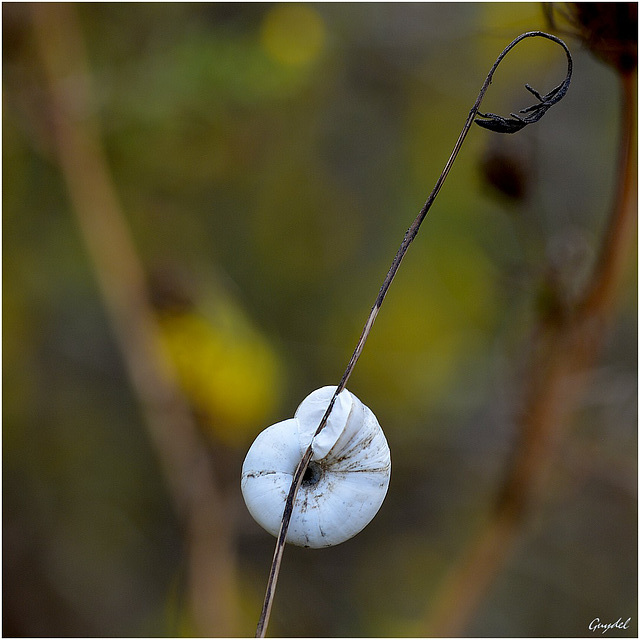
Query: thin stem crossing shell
[[346, 481]]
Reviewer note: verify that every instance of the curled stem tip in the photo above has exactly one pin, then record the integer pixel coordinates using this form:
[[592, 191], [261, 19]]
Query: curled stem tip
[[490, 121], [497, 123]]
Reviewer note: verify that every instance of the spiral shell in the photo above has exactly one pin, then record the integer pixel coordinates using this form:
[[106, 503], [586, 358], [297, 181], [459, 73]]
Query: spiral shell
[[346, 481]]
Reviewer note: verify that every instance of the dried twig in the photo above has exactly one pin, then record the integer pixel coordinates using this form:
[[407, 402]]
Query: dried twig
[[490, 121]]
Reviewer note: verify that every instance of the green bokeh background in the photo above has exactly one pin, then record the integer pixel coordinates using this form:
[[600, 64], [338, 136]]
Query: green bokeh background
[[273, 177]]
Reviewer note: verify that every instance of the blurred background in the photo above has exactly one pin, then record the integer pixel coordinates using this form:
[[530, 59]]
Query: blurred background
[[201, 202]]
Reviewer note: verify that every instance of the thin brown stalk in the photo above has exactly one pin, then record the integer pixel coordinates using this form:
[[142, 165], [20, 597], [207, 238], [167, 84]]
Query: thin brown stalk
[[491, 121], [566, 348], [185, 462]]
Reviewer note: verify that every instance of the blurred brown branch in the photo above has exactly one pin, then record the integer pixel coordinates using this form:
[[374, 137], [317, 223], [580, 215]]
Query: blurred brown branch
[[180, 447], [564, 348]]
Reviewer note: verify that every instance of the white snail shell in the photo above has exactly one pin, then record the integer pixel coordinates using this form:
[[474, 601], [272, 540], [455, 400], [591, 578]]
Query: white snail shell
[[346, 481]]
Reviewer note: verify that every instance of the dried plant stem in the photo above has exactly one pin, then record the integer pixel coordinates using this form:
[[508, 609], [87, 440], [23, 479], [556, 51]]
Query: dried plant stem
[[565, 348], [406, 242], [184, 459]]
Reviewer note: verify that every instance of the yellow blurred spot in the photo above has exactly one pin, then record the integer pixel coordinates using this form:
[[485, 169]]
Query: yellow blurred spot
[[293, 34], [226, 368]]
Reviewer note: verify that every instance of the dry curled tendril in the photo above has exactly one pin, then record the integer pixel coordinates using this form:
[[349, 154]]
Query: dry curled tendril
[[490, 121], [499, 124]]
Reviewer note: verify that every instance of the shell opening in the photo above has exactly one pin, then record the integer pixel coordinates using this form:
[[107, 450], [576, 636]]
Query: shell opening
[[312, 475]]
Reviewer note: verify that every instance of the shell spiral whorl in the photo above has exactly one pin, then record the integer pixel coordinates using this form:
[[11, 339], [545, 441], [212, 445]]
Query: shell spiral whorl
[[346, 481]]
